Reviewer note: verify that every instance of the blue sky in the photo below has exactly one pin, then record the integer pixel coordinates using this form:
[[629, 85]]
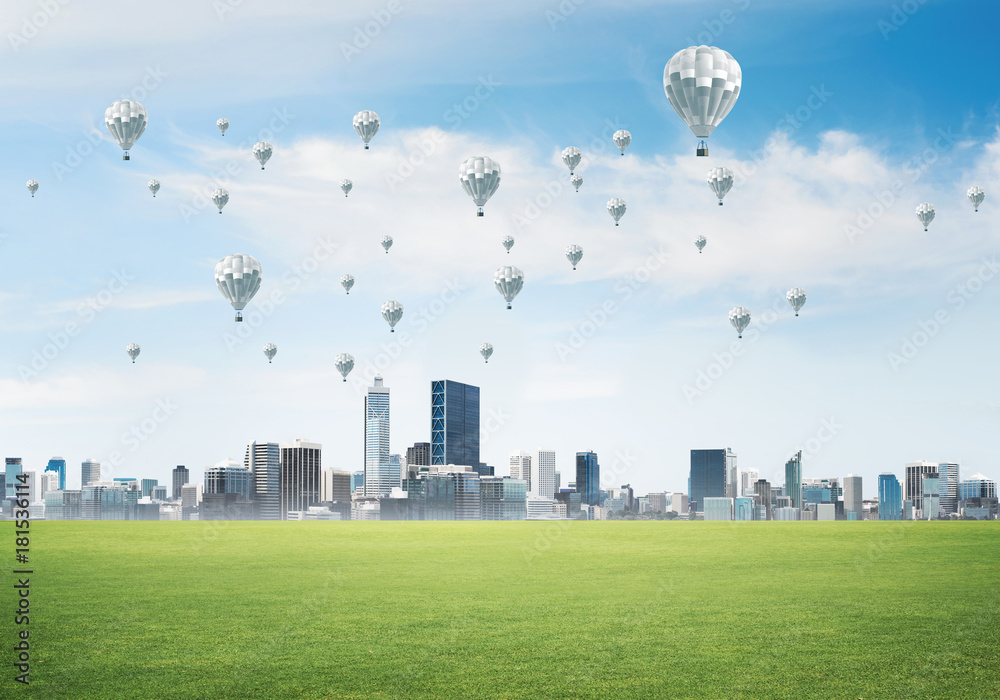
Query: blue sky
[[656, 377]]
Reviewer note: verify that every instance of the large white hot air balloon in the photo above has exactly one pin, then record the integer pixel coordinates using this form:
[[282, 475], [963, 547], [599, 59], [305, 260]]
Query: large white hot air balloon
[[154, 186], [366, 123], [925, 212], [616, 207], [480, 178], [700, 242], [133, 351], [574, 253], [571, 156], [270, 350], [740, 318], [486, 350], [976, 195], [508, 243], [622, 139], [392, 311], [262, 151], [702, 84], [386, 243], [347, 281], [220, 198], [796, 298], [344, 364], [720, 180], [508, 280], [346, 186], [32, 186], [223, 124], [126, 120], [576, 181], [238, 277]]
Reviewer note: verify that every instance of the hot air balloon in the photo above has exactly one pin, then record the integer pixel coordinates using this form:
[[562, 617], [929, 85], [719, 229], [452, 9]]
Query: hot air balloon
[[622, 139], [32, 187], [740, 318], [508, 280], [576, 181], [702, 84], [392, 311], [220, 197], [571, 156], [573, 254], [133, 351], [154, 186], [262, 151], [796, 298], [344, 364], [223, 124], [616, 207], [347, 281], [925, 212], [976, 195], [486, 350], [387, 243], [346, 186], [126, 120], [238, 277], [270, 350], [508, 243], [366, 123], [700, 242], [480, 178], [721, 181]]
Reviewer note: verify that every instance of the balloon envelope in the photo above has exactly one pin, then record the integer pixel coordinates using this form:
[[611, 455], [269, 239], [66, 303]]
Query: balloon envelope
[[740, 318], [509, 281], [125, 120], [392, 311], [480, 178], [346, 186], [386, 243], [720, 180], [508, 242], [486, 350], [223, 124], [270, 350], [700, 242], [976, 195], [154, 186], [925, 212], [576, 181], [622, 139], [133, 351], [571, 156], [616, 207], [574, 253], [344, 364], [347, 281], [366, 124], [220, 198], [238, 277], [796, 298], [262, 151], [32, 186], [702, 84]]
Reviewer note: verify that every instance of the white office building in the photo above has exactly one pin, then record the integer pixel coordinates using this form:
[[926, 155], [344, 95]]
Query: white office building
[[718, 508], [853, 500], [545, 473], [379, 476], [520, 468]]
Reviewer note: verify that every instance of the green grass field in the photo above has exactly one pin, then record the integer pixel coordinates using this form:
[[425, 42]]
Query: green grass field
[[510, 610]]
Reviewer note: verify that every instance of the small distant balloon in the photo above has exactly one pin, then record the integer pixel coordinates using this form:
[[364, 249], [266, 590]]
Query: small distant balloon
[[270, 350], [386, 243], [721, 181], [700, 242], [616, 207], [576, 181], [508, 243], [486, 350], [32, 187], [976, 195], [509, 281], [574, 253], [740, 318], [133, 351], [366, 123], [571, 156], [154, 186], [126, 121], [622, 139], [925, 212], [347, 281], [220, 198], [262, 151], [238, 277], [480, 178], [796, 298], [223, 124], [392, 311], [346, 186], [344, 363]]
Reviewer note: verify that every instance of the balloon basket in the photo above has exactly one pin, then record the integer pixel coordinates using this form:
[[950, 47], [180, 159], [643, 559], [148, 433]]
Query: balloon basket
[[345, 380], [702, 149], [392, 330], [720, 202], [366, 148], [508, 306], [239, 316], [125, 156], [479, 213]]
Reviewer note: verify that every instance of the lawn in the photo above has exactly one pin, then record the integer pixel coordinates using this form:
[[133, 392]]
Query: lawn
[[510, 610]]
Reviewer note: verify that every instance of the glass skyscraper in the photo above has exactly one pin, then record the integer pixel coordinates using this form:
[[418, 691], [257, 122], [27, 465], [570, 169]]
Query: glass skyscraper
[[58, 465], [12, 468], [977, 486], [588, 478], [502, 498], [454, 423], [793, 479], [229, 478], [181, 476], [301, 476], [263, 459], [890, 497], [378, 480], [948, 484], [713, 474]]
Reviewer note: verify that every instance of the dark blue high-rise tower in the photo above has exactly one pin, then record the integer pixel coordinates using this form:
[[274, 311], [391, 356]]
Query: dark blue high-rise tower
[[454, 423], [588, 478]]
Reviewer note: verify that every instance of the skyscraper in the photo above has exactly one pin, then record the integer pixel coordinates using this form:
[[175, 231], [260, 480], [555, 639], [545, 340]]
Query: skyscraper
[[948, 483], [301, 467], [418, 456], [852, 497], [502, 498], [58, 465], [545, 473], [762, 489], [454, 423], [913, 481], [931, 492], [713, 475], [890, 497], [90, 472], [229, 477], [263, 459], [793, 479], [748, 481], [977, 486], [146, 487], [336, 486], [49, 482], [378, 481], [588, 478], [520, 468], [12, 468], [181, 476]]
